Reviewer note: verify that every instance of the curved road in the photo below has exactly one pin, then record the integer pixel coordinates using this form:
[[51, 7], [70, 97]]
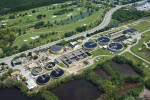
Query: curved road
[[105, 22]]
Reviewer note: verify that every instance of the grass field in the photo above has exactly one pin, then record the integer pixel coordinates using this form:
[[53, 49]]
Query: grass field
[[135, 49], [60, 29], [100, 52], [142, 26]]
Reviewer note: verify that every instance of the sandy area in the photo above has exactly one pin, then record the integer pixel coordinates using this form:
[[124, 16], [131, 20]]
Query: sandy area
[[55, 4], [78, 8], [84, 24], [34, 37], [54, 16], [4, 24], [69, 14], [25, 40], [29, 15]]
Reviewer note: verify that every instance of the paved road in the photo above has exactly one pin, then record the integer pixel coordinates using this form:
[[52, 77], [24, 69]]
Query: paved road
[[138, 37]]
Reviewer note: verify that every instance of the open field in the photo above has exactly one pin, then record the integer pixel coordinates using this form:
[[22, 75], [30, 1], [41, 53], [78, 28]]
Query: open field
[[29, 20], [60, 29], [99, 52], [142, 26], [136, 49]]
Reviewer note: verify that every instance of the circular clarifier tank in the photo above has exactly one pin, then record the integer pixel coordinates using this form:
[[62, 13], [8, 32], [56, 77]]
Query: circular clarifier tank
[[57, 73], [90, 45], [56, 49], [115, 47], [148, 44], [49, 66], [36, 71], [103, 40], [43, 79]]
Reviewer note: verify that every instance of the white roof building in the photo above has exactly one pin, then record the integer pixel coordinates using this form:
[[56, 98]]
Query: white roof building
[[73, 44], [31, 84]]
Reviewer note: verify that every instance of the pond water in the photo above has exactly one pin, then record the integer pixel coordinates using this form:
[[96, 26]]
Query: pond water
[[102, 74], [148, 44], [76, 18], [125, 69], [77, 90], [15, 94]]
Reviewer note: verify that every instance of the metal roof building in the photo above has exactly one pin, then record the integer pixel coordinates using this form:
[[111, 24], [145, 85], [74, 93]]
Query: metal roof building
[[31, 84]]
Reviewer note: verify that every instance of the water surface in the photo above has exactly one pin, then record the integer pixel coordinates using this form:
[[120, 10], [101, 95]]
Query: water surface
[[77, 90], [15, 94]]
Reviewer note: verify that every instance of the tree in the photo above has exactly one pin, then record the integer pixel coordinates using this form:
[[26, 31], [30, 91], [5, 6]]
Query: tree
[[33, 11], [3, 68], [39, 16], [24, 47], [12, 17], [22, 55], [39, 24], [107, 85], [10, 71], [35, 57]]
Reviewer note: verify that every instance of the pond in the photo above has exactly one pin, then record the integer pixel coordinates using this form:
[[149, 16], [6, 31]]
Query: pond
[[76, 18], [148, 44], [15, 94], [125, 69], [77, 90], [102, 74]]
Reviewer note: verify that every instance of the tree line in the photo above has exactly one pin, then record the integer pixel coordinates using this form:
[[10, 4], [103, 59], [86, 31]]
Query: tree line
[[11, 6]]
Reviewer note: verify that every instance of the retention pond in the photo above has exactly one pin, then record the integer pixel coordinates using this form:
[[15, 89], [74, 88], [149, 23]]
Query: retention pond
[[15, 94], [77, 90], [125, 69]]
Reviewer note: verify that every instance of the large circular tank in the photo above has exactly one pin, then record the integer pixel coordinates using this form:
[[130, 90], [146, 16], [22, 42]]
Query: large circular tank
[[36, 71], [103, 40], [57, 73], [43, 79], [115, 47], [49, 66], [56, 49], [148, 44], [90, 45]]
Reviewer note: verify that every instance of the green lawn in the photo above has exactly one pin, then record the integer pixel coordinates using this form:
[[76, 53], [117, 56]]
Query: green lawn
[[135, 49], [62, 65], [61, 29], [142, 26], [100, 52]]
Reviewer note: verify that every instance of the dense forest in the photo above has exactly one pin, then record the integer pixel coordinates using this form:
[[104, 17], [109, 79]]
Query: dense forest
[[9, 6], [123, 15]]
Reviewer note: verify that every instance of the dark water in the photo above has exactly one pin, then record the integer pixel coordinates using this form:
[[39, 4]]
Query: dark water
[[76, 18], [125, 69], [148, 44], [102, 74], [57, 73], [77, 90], [90, 45], [15, 94], [116, 46], [103, 40]]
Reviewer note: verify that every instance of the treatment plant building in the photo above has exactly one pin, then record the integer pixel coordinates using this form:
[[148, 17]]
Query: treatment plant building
[[75, 57]]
